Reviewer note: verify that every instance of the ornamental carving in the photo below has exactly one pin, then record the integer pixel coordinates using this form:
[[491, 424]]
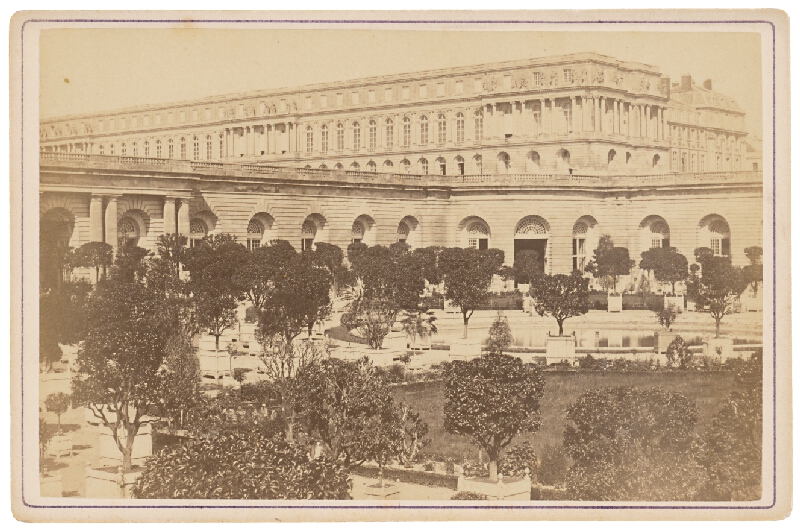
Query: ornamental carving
[[719, 227], [272, 109], [70, 130], [662, 89], [402, 229], [644, 84], [231, 112], [489, 84], [553, 78], [618, 78], [294, 105], [197, 228], [86, 128], [254, 227], [519, 82], [659, 227], [531, 226], [478, 229], [584, 76], [126, 228], [308, 229], [579, 229], [249, 111], [357, 230], [599, 76]]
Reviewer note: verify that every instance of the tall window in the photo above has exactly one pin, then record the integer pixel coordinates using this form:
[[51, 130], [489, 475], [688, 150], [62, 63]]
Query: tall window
[[356, 137], [171, 149], [221, 148], [209, 151], [441, 130], [323, 139], [158, 148], [195, 148], [339, 138], [373, 135], [720, 238], [111, 149], [146, 148], [135, 149], [442, 166], [579, 247], [423, 166], [423, 130], [389, 134], [479, 126], [102, 149], [254, 235], [569, 76], [183, 148], [309, 140], [406, 132], [123, 150], [459, 129], [659, 235], [568, 116], [372, 167], [537, 117]]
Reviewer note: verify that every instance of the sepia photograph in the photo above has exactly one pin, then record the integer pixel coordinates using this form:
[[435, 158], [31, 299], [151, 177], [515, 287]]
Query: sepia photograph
[[504, 265]]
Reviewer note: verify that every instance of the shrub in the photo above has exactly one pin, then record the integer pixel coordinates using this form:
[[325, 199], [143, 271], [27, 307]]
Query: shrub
[[517, 459], [554, 466], [58, 403], [468, 496], [678, 353], [240, 463]]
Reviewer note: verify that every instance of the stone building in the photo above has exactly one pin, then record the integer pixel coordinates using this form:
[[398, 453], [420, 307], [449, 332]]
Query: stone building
[[544, 153]]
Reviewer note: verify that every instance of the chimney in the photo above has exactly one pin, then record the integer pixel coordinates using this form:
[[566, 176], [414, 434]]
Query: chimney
[[707, 84], [686, 82]]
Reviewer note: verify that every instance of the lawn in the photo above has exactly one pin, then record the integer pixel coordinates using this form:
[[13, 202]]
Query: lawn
[[707, 389]]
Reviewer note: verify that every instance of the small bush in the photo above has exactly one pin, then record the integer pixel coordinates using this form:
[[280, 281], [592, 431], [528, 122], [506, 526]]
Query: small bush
[[516, 459], [678, 353], [469, 496]]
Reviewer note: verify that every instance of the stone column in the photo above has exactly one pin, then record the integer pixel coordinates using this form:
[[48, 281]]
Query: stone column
[[647, 133], [96, 218], [642, 124], [615, 125], [170, 225], [183, 217], [661, 123], [111, 222], [596, 114]]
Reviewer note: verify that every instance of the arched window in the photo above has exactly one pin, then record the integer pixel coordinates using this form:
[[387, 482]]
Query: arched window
[[171, 149], [323, 139], [479, 125], [357, 232], [478, 236], [423, 166], [372, 167], [146, 148], [389, 140], [127, 231], [373, 135], [209, 149], [197, 231], [158, 149], [459, 129], [355, 166], [183, 148], [339, 137], [309, 140], [406, 166], [579, 231], [611, 155], [459, 160], [656, 159], [628, 157], [135, 149], [323, 166], [356, 137], [388, 163], [720, 238], [406, 132], [532, 161], [441, 129], [338, 166], [123, 150], [307, 234], [423, 131], [102, 149], [503, 163], [477, 161], [659, 235], [307, 166], [195, 148], [111, 150], [442, 165], [402, 232], [254, 234]]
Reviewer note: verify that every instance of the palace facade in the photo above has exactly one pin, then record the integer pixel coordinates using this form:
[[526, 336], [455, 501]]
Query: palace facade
[[544, 154]]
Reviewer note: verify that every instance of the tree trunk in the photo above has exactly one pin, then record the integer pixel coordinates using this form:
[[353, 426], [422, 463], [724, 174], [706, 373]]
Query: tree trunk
[[560, 327], [127, 457], [465, 330], [216, 337], [673, 288], [718, 320], [493, 470]]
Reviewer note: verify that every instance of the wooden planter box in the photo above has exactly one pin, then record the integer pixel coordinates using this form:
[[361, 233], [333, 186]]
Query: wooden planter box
[[663, 340], [558, 349], [614, 303], [50, 485], [110, 454], [724, 344], [108, 484], [465, 348], [510, 489], [419, 343], [60, 445], [676, 301], [691, 306]]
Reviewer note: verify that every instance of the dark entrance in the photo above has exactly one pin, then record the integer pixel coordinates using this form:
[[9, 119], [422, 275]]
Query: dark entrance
[[539, 245]]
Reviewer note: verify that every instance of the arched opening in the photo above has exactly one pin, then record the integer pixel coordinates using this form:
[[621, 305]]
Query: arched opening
[[611, 154], [562, 160], [407, 231], [55, 232], [405, 165], [441, 165], [355, 166], [323, 166], [656, 160], [584, 240], [387, 165], [477, 164], [311, 231], [533, 233], [258, 230], [372, 167], [503, 163], [198, 229], [459, 162], [127, 231], [475, 233], [532, 162], [338, 166], [715, 233], [423, 166], [654, 232], [627, 157]]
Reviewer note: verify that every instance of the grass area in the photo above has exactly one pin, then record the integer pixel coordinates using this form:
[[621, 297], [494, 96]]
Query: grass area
[[707, 389]]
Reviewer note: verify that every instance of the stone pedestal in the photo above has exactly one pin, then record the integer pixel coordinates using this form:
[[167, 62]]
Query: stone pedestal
[[419, 343], [465, 348], [50, 485], [691, 306], [513, 489], [675, 301], [663, 340], [109, 484], [558, 349], [614, 303], [752, 304], [110, 455], [215, 363], [60, 445], [395, 341], [711, 346], [388, 490]]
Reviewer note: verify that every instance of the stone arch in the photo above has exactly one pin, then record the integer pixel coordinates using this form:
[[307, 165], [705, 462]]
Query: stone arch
[[259, 230], [210, 221], [474, 232], [532, 162], [654, 232], [409, 232], [656, 160], [458, 164], [585, 237], [313, 229], [714, 232], [363, 230], [532, 232], [441, 166], [74, 205], [563, 160], [503, 163], [262, 206], [134, 223]]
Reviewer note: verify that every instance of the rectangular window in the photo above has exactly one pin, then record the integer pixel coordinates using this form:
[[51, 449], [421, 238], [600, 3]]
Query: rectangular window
[[253, 244], [356, 138], [406, 93], [389, 135], [373, 137], [459, 87], [323, 102], [101, 125], [569, 76], [306, 244], [655, 243], [423, 91], [194, 115], [171, 150], [134, 122], [479, 127], [323, 141], [308, 102], [371, 96], [440, 89], [477, 86], [473, 243], [309, 142], [158, 119], [459, 130], [406, 133], [183, 117], [568, 117], [423, 133], [339, 99], [354, 98], [538, 79], [716, 246], [578, 254], [387, 94]]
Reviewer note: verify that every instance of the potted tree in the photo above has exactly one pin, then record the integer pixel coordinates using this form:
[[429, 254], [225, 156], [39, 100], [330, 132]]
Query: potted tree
[[668, 266], [60, 443], [666, 316], [612, 262], [560, 296]]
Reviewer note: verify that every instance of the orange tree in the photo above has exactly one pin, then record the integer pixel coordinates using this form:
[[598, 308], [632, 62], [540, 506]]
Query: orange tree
[[668, 265], [492, 398], [609, 261], [560, 296], [719, 285]]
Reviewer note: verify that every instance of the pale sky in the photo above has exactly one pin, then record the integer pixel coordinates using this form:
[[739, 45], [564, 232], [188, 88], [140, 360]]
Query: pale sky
[[110, 69]]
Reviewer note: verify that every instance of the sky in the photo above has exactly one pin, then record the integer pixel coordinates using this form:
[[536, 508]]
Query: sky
[[96, 70]]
